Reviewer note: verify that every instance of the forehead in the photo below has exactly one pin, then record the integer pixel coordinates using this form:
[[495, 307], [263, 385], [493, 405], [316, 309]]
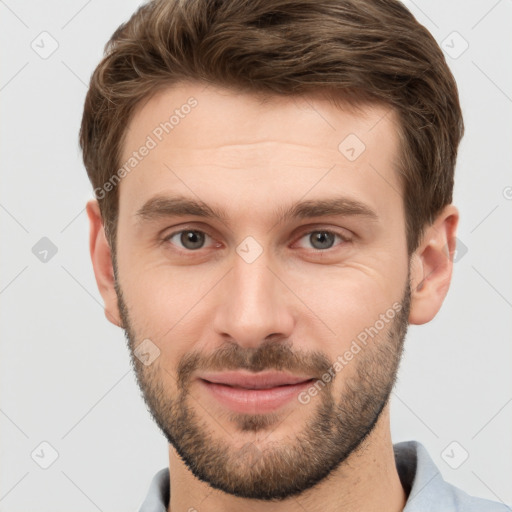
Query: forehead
[[226, 115], [210, 142]]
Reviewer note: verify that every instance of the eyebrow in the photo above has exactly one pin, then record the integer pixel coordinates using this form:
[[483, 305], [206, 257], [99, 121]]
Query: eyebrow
[[160, 207]]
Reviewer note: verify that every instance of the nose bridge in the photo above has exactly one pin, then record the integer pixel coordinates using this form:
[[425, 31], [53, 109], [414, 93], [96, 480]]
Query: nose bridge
[[253, 280], [253, 305]]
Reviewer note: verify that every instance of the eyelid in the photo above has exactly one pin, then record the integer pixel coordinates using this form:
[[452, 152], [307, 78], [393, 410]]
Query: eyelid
[[166, 238], [304, 230], [344, 238], [343, 233]]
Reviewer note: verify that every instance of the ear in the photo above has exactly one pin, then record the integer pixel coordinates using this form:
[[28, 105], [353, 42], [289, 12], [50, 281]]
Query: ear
[[101, 257], [431, 267]]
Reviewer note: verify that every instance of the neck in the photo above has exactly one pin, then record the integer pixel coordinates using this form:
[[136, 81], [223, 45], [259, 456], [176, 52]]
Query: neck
[[368, 480]]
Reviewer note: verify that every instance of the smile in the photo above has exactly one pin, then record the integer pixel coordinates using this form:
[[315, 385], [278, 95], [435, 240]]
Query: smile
[[252, 393]]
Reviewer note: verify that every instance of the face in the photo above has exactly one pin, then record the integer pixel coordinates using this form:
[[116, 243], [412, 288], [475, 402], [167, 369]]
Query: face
[[262, 280]]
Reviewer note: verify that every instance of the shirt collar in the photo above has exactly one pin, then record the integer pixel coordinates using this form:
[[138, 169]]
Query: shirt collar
[[426, 489]]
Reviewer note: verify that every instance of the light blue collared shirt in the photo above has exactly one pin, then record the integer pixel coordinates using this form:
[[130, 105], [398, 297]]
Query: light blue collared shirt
[[427, 490]]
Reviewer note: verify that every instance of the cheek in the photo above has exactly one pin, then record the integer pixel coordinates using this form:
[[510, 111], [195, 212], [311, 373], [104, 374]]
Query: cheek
[[157, 290], [348, 298], [170, 306], [175, 305], [350, 301]]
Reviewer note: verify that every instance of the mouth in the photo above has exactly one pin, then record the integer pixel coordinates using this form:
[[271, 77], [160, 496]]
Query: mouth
[[254, 393]]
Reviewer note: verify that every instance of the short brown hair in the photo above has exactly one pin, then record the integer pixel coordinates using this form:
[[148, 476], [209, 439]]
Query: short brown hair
[[374, 50]]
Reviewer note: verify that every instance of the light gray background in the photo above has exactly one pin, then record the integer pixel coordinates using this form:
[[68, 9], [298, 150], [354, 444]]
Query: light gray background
[[64, 370]]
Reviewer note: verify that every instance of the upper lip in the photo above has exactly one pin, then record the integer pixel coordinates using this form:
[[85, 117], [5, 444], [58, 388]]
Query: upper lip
[[250, 380]]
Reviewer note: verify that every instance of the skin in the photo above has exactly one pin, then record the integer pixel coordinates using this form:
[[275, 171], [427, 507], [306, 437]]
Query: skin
[[247, 158]]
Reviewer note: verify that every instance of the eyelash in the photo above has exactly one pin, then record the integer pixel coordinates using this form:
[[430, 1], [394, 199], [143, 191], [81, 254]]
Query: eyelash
[[344, 239]]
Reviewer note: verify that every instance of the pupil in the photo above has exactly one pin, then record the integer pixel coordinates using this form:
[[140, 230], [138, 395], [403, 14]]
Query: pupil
[[322, 240], [192, 239]]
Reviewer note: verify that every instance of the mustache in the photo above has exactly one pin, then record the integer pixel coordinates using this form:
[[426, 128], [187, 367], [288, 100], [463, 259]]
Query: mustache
[[270, 355]]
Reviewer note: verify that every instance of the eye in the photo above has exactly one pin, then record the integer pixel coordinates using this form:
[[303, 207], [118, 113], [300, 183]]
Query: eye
[[321, 240], [194, 239], [190, 239]]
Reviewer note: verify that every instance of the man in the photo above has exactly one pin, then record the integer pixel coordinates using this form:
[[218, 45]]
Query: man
[[273, 188]]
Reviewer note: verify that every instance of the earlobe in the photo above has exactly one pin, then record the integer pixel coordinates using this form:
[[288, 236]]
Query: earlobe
[[431, 267], [101, 258]]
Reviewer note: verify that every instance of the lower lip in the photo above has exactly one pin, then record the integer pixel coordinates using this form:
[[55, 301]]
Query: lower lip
[[254, 401]]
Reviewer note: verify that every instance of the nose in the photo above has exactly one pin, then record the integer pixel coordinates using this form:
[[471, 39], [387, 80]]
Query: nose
[[254, 305]]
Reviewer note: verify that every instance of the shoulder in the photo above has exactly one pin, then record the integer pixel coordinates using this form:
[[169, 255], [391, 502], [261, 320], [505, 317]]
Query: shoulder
[[157, 498], [428, 491]]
